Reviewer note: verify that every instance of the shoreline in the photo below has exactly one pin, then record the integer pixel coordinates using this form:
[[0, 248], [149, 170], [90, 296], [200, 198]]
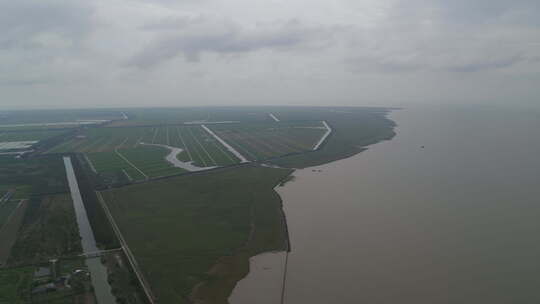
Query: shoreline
[[240, 261], [291, 178]]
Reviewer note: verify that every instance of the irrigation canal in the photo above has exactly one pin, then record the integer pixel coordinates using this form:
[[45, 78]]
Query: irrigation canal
[[98, 272]]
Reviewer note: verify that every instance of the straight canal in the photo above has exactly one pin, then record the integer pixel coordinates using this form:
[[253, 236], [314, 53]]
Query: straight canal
[[98, 272]]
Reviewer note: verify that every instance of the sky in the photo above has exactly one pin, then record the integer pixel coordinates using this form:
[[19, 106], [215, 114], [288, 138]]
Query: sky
[[115, 53]]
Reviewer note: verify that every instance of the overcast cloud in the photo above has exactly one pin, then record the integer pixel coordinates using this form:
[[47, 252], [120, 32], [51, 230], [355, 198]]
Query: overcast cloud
[[65, 53]]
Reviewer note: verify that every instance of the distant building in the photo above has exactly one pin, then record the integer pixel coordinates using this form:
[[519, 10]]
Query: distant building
[[42, 272]]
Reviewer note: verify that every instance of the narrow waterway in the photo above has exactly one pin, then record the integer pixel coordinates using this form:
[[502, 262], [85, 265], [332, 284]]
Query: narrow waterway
[[98, 272], [172, 158], [446, 212]]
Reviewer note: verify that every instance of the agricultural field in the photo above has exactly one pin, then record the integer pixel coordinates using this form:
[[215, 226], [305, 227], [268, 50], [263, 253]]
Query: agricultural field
[[48, 229], [6, 209], [13, 141], [139, 153], [44, 174], [36, 119], [352, 130], [178, 235], [138, 163], [9, 231], [157, 116], [15, 285], [259, 141], [28, 135], [23, 179]]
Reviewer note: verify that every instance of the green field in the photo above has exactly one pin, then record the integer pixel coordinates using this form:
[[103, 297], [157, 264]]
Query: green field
[[353, 129], [9, 231], [6, 209], [136, 153], [15, 285], [49, 229], [198, 145], [156, 116], [259, 141], [44, 174], [55, 116], [178, 235], [28, 135]]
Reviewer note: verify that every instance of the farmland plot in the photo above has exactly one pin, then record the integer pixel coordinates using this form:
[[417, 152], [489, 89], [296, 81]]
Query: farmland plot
[[266, 140], [138, 153], [28, 135], [6, 209]]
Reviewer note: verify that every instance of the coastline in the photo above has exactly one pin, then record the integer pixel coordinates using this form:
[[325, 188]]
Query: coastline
[[291, 178], [232, 269]]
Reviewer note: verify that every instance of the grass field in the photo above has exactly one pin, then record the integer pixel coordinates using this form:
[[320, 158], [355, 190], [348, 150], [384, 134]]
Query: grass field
[[137, 153], [32, 176], [48, 230], [259, 141], [353, 129], [178, 235], [9, 231], [153, 116], [15, 285], [28, 135], [6, 209], [56, 116], [199, 146]]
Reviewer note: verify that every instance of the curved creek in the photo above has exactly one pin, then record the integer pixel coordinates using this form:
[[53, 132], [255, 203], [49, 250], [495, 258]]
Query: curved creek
[[172, 158]]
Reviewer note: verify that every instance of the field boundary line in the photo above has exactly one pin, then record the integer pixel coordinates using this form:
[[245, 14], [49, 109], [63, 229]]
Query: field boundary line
[[129, 177], [274, 117], [224, 143], [10, 239], [204, 149], [261, 150], [138, 142], [131, 258], [324, 137], [289, 142], [11, 215], [5, 198], [130, 163], [90, 163], [223, 152], [183, 143], [91, 145], [155, 134], [196, 151], [260, 141], [120, 145], [243, 144]]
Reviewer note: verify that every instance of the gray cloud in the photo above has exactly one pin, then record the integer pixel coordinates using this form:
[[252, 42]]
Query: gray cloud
[[225, 38], [23, 21], [147, 52], [448, 37], [487, 65]]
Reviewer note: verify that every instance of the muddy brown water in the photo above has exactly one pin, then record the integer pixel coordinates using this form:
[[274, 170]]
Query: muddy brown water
[[455, 221]]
